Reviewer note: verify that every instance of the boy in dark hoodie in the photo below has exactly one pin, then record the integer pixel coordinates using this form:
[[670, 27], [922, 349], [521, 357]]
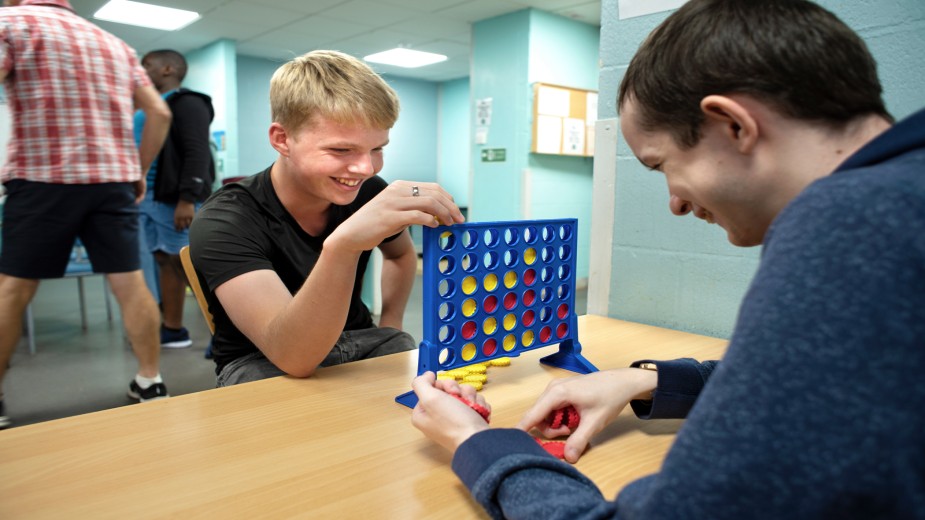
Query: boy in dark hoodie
[[178, 182]]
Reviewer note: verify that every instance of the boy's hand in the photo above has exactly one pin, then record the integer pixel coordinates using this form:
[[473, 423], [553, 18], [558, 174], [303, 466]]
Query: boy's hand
[[443, 418], [393, 210]]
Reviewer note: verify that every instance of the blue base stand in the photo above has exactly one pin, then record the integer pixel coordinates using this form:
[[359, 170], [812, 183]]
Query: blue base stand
[[409, 399], [569, 357]]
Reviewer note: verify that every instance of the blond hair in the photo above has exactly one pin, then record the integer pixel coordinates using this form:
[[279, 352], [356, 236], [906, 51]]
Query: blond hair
[[332, 85]]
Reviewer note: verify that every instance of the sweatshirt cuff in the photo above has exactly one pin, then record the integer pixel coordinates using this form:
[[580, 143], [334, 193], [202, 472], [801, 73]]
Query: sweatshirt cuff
[[479, 452], [679, 383]]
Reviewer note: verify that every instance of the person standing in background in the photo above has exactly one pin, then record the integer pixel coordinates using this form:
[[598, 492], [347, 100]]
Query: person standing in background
[[179, 180], [73, 170]]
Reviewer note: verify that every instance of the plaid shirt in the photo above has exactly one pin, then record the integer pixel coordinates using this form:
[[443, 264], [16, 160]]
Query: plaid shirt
[[70, 88]]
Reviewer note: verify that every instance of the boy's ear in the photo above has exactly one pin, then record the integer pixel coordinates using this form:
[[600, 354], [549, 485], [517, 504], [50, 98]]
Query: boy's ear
[[737, 121], [279, 139]]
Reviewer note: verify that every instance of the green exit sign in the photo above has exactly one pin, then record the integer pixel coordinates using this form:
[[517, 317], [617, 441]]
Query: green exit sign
[[494, 154]]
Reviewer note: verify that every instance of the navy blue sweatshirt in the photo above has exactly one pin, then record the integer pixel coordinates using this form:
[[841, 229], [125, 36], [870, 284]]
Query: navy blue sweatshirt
[[818, 407]]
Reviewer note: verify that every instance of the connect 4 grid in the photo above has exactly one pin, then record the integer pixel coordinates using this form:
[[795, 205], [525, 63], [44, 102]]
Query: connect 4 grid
[[496, 289]]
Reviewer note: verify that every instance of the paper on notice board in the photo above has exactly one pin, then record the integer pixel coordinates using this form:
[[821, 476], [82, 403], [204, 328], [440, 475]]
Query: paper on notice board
[[591, 108], [574, 137], [633, 8], [589, 143], [548, 134], [553, 102]]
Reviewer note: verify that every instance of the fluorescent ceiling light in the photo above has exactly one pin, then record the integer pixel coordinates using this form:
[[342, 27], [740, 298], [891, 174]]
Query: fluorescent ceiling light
[[146, 15], [406, 58]]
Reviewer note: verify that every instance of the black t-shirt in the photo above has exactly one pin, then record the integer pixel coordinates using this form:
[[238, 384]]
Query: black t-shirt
[[244, 227]]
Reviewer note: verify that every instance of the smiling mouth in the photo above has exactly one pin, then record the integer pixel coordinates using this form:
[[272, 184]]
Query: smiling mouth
[[348, 182]]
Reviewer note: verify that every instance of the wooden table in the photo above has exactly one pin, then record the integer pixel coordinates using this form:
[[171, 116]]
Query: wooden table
[[335, 445]]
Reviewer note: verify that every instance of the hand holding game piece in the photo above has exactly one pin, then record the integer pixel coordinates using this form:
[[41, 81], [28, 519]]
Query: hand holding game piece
[[484, 412], [567, 417], [392, 211], [442, 411], [554, 448], [598, 397]]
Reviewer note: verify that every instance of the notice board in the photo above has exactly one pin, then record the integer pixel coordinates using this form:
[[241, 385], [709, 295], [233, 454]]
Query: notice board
[[563, 120]]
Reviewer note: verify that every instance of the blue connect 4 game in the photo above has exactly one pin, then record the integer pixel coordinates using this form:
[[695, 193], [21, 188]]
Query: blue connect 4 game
[[497, 289]]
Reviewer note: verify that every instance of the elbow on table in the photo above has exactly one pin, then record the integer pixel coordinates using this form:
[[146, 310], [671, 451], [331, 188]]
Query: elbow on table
[[301, 372], [297, 367]]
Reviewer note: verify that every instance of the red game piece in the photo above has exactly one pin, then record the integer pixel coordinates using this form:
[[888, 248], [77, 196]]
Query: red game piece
[[484, 412], [554, 448], [567, 417]]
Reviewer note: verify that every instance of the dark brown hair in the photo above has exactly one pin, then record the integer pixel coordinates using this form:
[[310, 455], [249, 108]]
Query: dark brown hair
[[792, 54]]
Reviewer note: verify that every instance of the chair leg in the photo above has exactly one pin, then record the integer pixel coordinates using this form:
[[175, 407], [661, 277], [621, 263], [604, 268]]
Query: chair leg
[[83, 303], [30, 329]]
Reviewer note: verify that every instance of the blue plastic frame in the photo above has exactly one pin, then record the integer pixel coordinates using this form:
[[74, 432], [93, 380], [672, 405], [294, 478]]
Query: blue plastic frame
[[470, 294]]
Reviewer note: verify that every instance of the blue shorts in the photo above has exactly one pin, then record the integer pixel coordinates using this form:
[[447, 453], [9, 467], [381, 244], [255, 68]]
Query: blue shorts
[[41, 222], [156, 219]]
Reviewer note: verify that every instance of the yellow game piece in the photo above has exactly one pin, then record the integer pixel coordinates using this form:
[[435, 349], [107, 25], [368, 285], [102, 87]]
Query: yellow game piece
[[457, 373], [477, 368], [475, 378], [444, 375], [500, 362], [474, 384]]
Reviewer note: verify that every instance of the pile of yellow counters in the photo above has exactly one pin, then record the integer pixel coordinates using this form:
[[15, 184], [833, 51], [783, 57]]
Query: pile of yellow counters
[[474, 375]]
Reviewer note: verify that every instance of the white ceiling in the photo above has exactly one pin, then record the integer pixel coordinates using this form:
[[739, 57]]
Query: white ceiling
[[281, 29]]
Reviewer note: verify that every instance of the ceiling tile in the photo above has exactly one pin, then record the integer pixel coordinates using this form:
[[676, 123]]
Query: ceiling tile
[[253, 14], [322, 27], [281, 29], [369, 13], [476, 10], [425, 6], [588, 13], [433, 25], [302, 6]]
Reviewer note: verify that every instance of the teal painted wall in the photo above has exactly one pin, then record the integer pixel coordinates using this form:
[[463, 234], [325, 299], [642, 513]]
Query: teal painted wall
[[500, 64], [680, 272], [254, 113], [563, 52], [453, 151], [509, 54], [412, 151], [213, 70]]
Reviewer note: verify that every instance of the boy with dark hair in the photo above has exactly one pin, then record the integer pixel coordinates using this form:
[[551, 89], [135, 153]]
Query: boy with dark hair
[[766, 119], [179, 180]]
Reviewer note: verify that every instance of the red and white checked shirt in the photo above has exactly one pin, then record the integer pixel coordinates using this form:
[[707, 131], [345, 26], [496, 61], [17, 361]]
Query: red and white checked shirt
[[70, 88]]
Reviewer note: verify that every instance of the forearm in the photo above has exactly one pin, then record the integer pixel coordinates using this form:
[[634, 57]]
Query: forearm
[[303, 332], [397, 280], [511, 476], [157, 124]]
